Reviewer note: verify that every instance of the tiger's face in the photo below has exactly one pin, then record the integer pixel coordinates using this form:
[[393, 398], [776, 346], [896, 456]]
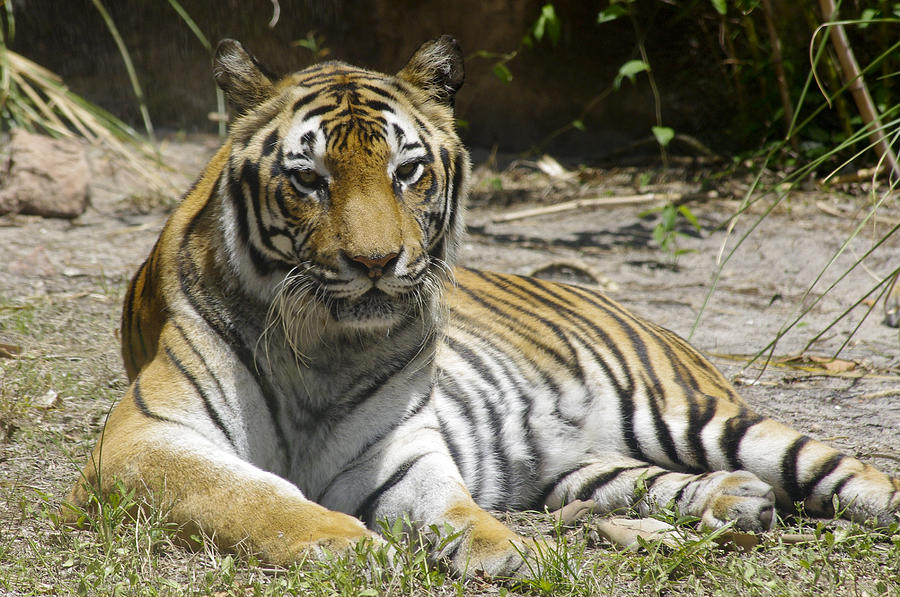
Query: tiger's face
[[345, 185]]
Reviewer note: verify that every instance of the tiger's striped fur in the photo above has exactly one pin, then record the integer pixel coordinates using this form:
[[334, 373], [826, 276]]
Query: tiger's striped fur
[[304, 358]]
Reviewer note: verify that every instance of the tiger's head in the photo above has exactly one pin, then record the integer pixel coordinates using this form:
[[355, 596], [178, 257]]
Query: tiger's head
[[342, 194]]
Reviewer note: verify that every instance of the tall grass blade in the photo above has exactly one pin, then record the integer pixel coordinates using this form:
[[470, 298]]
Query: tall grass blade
[[129, 66]]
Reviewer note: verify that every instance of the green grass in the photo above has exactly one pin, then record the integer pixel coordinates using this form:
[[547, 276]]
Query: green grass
[[124, 551]]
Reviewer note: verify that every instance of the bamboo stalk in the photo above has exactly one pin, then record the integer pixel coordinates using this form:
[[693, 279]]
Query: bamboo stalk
[[854, 80], [780, 76]]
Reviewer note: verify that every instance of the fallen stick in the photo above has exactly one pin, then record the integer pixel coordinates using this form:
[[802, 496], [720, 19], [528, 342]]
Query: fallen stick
[[588, 203]]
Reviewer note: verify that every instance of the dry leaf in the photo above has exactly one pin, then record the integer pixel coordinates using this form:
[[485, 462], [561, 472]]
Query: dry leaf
[[625, 531], [792, 538], [9, 351], [737, 541], [554, 169], [574, 511], [835, 365]]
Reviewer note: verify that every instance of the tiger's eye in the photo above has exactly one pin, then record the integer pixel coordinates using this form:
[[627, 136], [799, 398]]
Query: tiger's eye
[[308, 178], [409, 172]]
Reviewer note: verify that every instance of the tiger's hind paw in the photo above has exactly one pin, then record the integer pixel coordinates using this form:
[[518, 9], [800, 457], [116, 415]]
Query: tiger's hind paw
[[739, 497]]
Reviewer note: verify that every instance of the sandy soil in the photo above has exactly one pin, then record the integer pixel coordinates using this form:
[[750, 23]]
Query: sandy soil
[[72, 275]]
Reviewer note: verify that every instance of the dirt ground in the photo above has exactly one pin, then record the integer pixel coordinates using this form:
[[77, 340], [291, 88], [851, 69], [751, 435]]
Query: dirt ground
[[61, 285]]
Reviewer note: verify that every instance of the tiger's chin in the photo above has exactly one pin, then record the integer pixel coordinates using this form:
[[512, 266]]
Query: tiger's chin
[[375, 311]]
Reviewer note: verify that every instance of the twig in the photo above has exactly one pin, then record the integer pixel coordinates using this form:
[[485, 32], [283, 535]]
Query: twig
[[857, 85], [881, 394], [858, 176], [588, 203]]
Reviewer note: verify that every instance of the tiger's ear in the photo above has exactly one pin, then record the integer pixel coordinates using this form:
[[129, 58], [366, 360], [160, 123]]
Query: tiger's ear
[[437, 68], [244, 80]]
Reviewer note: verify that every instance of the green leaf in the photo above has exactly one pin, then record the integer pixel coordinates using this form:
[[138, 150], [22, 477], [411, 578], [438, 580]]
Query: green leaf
[[502, 72], [688, 215], [667, 218], [630, 70], [720, 6], [867, 15], [663, 134], [578, 124], [548, 23], [612, 13]]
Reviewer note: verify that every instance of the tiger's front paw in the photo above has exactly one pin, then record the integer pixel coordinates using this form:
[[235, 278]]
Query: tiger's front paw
[[328, 534], [483, 545], [740, 497]]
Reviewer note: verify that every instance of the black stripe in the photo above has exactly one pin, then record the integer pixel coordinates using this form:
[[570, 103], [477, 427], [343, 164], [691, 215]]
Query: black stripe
[[650, 480], [270, 143], [789, 481], [369, 447], [128, 323], [686, 352], [207, 402], [628, 325], [142, 407], [210, 409], [735, 429], [827, 467], [680, 493], [369, 386], [828, 505], [701, 410], [564, 362], [319, 111], [453, 392], [449, 441], [367, 508], [552, 485], [591, 486], [514, 286], [495, 421], [380, 91], [378, 105], [304, 100], [524, 405], [493, 304], [655, 397]]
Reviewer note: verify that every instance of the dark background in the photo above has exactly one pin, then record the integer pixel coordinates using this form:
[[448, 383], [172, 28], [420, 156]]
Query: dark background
[[703, 94]]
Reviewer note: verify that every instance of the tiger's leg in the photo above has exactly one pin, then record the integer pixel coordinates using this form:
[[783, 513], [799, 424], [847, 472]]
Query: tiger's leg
[[411, 474], [615, 482], [799, 468], [205, 487], [769, 460]]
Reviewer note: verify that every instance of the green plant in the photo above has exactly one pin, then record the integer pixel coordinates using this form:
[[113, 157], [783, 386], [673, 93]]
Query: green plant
[[859, 143], [314, 43], [547, 26], [221, 117], [666, 233]]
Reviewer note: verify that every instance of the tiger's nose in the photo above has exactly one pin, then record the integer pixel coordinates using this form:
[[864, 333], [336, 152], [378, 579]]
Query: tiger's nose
[[375, 265]]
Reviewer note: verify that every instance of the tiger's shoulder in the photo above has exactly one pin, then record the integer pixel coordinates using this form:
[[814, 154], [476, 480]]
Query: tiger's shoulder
[[157, 282]]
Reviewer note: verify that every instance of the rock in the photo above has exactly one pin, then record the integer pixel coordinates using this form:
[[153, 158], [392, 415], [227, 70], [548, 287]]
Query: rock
[[49, 400], [44, 176]]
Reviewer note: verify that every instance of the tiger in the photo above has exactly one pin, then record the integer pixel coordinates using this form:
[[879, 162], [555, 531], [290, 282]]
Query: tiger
[[307, 359]]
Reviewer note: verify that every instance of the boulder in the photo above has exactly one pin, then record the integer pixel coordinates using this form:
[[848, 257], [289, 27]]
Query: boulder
[[44, 176]]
